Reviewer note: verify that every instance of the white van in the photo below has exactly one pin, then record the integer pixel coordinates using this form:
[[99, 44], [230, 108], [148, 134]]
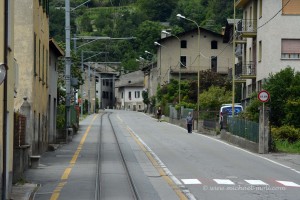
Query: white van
[[226, 109]]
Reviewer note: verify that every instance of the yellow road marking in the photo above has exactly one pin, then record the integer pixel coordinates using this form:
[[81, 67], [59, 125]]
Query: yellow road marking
[[68, 170], [66, 174], [160, 170]]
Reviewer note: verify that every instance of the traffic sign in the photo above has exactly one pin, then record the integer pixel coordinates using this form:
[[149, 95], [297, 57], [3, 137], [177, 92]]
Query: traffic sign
[[263, 96]]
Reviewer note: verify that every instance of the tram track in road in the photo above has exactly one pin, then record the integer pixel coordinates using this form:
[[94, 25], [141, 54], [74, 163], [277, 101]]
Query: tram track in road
[[112, 169]]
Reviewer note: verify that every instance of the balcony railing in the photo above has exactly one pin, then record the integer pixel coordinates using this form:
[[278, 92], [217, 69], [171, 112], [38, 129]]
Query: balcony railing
[[245, 70], [247, 27]]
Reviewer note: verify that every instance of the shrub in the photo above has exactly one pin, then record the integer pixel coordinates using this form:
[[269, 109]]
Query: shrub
[[60, 117], [286, 132]]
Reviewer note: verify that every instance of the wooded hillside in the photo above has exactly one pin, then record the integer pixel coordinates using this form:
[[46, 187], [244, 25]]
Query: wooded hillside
[[142, 19]]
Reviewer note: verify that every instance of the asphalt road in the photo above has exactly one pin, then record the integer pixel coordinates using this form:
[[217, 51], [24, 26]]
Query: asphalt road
[[212, 169], [166, 163]]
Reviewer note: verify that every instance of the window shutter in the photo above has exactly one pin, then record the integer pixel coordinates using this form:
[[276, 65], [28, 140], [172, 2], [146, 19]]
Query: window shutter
[[292, 8], [290, 46]]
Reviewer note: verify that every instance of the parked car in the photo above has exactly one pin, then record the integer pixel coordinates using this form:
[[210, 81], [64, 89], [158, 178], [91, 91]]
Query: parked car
[[226, 109]]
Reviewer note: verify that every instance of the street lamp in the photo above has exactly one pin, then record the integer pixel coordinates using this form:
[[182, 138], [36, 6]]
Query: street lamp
[[158, 44], [151, 78], [198, 27], [179, 87]]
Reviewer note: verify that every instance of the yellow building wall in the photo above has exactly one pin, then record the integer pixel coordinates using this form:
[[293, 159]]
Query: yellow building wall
[[32, 38], [1, 86], [10, 77]]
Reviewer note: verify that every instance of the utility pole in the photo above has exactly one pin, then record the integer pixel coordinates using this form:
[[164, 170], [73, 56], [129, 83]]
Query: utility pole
[[68, 63]]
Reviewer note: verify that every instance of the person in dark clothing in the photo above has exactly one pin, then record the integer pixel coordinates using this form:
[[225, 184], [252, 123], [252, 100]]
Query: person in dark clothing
[[189, 122], [158, 113]]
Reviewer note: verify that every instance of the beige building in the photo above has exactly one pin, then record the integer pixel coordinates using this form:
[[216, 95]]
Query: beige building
[[129, 89], [32, 54], [7, 96], [267, 41], [55, 53], [178, 55], [88, 89]]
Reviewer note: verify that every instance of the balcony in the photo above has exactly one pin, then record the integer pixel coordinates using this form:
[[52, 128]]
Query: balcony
[[241, 3], [245, 70], [247, 28]]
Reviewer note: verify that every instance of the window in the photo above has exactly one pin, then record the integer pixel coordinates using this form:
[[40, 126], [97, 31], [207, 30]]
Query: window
[[43, 62], [182, 61], [183, 44], [47, 66], [122, 95], [291, 7], [129, 95], [290, 49], [214, 63], [260, 8], [259, 85], [260, 51], [214, 44], [40, 59], [34, 54], [137, 94], [10, 24], [251, 18]]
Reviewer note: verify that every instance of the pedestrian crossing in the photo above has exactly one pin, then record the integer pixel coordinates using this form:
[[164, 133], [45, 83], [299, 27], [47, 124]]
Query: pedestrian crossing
[[251, 182]]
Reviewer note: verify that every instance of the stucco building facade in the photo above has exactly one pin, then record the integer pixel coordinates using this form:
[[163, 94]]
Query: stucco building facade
[[129, 89], [32, 54], [178, 55], [268, 41]]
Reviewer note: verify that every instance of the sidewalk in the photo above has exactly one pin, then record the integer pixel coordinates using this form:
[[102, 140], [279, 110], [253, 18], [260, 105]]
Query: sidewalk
[[23, 191]]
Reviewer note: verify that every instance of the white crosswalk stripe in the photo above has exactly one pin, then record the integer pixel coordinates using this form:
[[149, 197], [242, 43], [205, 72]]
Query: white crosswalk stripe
[[191, 181], [224, 181], [230, 182], [289, 184], [256, 182]]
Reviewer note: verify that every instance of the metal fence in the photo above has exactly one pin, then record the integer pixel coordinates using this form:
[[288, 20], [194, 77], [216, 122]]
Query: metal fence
[[210, 118], [243, 128], [179, 114]]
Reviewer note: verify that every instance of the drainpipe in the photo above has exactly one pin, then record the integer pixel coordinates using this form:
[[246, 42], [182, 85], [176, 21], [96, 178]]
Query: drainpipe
[[5, 145]]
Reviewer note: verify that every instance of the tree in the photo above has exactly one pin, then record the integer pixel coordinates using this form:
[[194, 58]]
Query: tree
[[191, 9], [214, 97], [284, 88], [157, 10], [86, 25], [209, 78], [146, 34]]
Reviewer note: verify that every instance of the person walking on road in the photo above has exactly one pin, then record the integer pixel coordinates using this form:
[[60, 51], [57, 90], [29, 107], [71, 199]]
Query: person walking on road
[[189, 122], [158, 113]]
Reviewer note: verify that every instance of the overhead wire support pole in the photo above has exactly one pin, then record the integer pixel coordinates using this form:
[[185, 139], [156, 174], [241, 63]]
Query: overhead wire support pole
[[68, 60], [233, 58], [68, 63]]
